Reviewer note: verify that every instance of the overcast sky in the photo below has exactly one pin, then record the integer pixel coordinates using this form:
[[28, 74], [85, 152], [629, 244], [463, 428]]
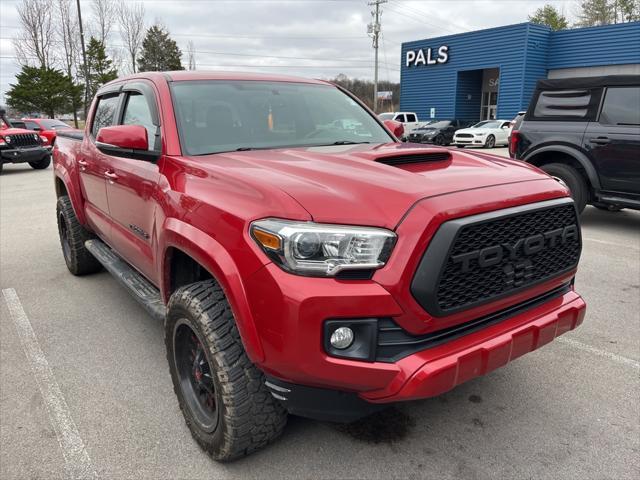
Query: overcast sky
[[326, 37]]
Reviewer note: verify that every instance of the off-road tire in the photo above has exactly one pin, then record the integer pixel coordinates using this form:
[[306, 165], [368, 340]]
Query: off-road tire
[[573, 179], [41, 164], [490, 142], [78, 259], [248, 416]]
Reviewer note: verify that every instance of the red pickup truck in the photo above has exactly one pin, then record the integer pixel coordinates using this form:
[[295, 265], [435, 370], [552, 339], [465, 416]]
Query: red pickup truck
[[304, 260]]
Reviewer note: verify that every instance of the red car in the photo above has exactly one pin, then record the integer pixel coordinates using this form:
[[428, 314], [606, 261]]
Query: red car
[[301, 258], [47, 127]]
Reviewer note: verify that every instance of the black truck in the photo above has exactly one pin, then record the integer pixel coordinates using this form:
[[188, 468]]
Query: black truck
[[586, 132]]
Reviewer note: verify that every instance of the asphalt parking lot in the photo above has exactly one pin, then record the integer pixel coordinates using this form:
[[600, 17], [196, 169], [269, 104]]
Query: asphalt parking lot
[[570, 410]]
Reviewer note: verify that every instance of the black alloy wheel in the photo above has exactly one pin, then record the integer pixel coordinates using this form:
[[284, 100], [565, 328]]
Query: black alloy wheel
[[195, 376], [439, 140]]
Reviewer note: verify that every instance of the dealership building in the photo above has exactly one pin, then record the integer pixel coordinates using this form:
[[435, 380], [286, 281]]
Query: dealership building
[[492, 73]]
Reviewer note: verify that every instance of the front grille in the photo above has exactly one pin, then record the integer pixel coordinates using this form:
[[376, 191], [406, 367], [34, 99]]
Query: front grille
[[17, 140], [479, 259], [464, 135]]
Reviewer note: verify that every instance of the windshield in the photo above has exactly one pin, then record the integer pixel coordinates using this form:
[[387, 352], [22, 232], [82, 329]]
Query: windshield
[[216, 116], [488, 124], [53, 124], [436, 124], [386, 116]]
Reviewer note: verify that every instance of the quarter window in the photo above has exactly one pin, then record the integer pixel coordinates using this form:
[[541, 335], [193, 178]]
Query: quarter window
[[105, 113], [137, 112], [411, 118], [621, 106]]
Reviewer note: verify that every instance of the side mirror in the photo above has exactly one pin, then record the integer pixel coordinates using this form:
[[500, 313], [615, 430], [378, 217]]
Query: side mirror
[[130, 141], [395, 127]]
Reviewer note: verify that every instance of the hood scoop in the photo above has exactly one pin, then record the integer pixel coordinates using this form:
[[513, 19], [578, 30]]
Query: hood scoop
[[408, 159]]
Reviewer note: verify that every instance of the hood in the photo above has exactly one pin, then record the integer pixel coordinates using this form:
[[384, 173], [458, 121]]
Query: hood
[[426, 130], [350, 184], [475, 130], [14, 131]]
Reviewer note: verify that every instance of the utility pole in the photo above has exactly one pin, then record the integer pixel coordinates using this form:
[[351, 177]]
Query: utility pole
[[374, 30], [84, 62]]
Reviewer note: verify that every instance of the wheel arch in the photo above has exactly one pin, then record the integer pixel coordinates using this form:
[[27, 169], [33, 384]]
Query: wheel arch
[[568, 156], [186, 247], [64, 186]]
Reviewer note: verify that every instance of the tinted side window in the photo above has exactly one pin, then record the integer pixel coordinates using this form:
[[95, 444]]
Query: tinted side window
[[32, 125], [400, 118], [105, 113], [411, 117], [563, 103], [621, 106], [137, 112]]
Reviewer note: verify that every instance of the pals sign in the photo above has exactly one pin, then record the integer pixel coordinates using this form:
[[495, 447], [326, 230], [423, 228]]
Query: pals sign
[[425, 56]]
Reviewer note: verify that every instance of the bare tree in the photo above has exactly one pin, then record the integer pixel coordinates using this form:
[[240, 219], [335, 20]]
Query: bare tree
[[69, 39], [131, 23], [35, 42], [191, 55], [104, 12]]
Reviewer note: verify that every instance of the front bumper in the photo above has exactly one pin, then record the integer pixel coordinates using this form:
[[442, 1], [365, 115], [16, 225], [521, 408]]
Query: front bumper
[[23, 155], [469, 141]]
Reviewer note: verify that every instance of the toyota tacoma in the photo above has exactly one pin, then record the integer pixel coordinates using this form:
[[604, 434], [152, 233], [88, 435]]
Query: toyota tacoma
[[302, 259]]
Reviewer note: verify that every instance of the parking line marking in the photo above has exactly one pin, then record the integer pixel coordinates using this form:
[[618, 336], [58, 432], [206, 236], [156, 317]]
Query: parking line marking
[[601, 353], [77, 461], [615, 244]]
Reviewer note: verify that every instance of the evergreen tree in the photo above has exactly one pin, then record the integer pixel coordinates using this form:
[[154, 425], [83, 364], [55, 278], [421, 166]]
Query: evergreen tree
[[550, 17], [42, 89], [99, 66], [159, 52]]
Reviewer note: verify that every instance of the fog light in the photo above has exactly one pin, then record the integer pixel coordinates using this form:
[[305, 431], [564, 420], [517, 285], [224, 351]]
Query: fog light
[[341, 338]]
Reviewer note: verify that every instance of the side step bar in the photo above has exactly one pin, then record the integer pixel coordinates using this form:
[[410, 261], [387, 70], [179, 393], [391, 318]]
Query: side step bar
[[138, 286]]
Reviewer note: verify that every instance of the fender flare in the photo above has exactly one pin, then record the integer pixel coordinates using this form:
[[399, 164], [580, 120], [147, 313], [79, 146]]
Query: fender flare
[[580, 157], [216, 260], [73, 191]]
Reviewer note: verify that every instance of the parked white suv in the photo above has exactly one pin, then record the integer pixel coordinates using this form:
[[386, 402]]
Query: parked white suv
[[487, 133], [408, 119]]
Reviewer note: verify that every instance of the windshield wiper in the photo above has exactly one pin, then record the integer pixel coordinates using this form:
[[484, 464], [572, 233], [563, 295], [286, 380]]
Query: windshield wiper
[[346, 142]]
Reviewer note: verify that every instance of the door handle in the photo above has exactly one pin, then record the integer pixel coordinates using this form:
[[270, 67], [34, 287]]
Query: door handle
[[111, 176], [83, 165], [600, 140]]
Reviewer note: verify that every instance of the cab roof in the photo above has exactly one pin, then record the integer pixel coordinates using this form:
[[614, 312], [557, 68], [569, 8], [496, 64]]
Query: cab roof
[[192, 75]]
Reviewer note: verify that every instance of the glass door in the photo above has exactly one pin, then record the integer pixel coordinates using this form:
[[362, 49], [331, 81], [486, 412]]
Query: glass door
[[489, 106]]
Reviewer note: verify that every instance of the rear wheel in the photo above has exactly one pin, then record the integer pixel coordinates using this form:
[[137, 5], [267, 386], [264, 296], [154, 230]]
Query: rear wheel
[[572, 179], [222, 395], [41, 164], [490, 142], [72, 237], [439, 140]]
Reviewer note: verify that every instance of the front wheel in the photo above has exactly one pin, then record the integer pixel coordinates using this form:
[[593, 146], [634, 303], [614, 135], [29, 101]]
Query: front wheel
[[490, 142], [573, 180], [439, 140], [41, 164], [222, 395]]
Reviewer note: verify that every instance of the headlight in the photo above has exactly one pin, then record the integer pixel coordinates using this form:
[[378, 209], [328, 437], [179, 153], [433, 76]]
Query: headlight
[[44, 139], [480, 134], [322, 250]]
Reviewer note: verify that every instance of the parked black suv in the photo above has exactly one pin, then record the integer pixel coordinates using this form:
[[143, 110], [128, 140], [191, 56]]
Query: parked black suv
[[586, 132], [439, 132]]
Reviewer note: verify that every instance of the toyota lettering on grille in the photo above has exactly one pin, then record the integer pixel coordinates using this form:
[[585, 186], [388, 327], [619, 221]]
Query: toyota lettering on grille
[[517, 252]]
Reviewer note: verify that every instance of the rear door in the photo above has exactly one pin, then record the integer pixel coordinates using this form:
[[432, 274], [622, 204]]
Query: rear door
[[132, 183], [614, 140], [91, 164]]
